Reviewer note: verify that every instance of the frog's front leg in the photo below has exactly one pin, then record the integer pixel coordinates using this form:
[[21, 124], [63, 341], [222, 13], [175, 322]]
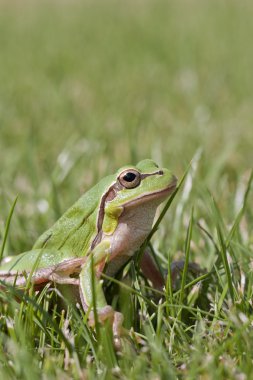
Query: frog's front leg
[[90, 284]]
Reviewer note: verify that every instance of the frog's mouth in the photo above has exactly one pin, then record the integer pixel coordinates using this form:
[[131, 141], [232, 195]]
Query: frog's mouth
[[159, 195]]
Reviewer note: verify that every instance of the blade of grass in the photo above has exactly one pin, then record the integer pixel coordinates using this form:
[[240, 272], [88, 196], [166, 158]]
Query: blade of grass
[[7, 227], [21, 296], [29, 284], [154, 256], [240, 213], [223, 252], [169, 288], [107, 351], [208, 234], [186, 263], [186, 192], [223, 248], [94, 298]]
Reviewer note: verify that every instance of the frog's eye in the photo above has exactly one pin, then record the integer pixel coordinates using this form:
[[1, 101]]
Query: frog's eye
[[130, 178]]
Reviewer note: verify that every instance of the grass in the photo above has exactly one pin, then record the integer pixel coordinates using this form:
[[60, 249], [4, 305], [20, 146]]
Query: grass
[[87, 87]]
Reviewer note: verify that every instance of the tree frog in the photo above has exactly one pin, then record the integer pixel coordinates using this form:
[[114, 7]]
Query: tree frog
[[98, 234]]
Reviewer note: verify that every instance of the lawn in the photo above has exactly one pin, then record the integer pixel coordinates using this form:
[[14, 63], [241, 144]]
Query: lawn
[[87, 87]]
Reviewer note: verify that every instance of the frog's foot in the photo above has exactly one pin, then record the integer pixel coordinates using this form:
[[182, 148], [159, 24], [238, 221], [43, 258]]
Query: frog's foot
[[177, 269], [103, 314], [116, 320]]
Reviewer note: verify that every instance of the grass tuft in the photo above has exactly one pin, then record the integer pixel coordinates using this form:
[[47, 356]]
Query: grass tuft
[[87, 87]]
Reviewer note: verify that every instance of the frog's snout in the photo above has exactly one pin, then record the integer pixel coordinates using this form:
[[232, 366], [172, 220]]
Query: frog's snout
[[171, 179]]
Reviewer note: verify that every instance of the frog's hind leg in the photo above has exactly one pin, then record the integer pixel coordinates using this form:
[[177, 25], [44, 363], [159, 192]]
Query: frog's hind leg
[[34, 266], [60, 273]]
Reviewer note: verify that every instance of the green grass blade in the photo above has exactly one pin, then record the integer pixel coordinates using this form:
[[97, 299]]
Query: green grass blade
[[94, 297], [169, 288], [223, 252], [186, 263], [20, 295], [240, 213], [7, 227]]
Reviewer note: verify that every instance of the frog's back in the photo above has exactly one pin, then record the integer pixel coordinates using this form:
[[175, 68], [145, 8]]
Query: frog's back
[[76, 228]]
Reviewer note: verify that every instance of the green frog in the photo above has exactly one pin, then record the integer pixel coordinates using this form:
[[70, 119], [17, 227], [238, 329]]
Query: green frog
[[98, 234]]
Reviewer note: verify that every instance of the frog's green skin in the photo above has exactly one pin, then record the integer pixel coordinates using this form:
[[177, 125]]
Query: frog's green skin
[[103, 228]]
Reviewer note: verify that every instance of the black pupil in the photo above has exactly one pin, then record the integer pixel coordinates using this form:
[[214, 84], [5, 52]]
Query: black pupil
[[129, 177]]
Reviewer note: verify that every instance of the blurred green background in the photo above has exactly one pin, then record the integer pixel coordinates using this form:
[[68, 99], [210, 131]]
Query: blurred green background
[[88, 86]]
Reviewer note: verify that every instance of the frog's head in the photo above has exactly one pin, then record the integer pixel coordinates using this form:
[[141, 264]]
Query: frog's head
[[135, 186], [145, 182]]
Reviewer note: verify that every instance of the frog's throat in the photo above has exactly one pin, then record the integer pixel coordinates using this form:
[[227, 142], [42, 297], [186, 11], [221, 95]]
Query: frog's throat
[[112, 192]]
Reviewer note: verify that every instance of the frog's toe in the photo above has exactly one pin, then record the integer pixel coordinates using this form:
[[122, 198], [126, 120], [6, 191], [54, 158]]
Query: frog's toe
[[118, 319], [117, 329], [103, 314]]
